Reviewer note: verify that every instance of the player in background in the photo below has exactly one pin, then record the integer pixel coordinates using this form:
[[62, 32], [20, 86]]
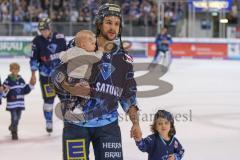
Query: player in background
[[162, 144], [14, 90], [163, 54], [45, 57], [112, 82]]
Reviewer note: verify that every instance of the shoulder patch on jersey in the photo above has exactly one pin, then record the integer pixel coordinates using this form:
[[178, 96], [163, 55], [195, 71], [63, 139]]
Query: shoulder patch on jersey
[[175, 144], [59, 36], [128, 58]]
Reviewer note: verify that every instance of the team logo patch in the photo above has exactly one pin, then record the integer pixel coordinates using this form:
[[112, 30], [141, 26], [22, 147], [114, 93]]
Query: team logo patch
[[106, 70], [60, 77], [18, 90], [108, 56], [76, 149], [175, 144], [59, 36], [52, 48], [128, 58], [49, 90]]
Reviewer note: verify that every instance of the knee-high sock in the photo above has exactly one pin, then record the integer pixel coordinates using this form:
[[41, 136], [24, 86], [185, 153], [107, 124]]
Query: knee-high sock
[[48, 111]]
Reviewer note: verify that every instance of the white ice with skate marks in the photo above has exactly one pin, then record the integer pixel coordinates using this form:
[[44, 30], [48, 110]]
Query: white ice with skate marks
[[205, 103]]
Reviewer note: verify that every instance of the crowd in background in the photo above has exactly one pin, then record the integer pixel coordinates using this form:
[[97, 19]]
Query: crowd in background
[[139, 12]]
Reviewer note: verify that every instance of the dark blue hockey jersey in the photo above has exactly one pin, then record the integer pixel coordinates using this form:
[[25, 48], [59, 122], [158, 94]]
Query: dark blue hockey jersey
[[158, 149], [160, 46], [16, 92], [45, 53], [113, 82]]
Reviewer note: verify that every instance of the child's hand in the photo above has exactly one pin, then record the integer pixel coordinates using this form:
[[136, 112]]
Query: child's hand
[[137, 135], [83, 83], [5, 88], [137, 139], [81, 88], [108, 46], [1, 88], [100, 49], [171, 157]]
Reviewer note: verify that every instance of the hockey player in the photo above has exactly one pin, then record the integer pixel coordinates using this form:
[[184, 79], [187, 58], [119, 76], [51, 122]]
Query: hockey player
[[162, 144], [162, 55], [44, 58], [112, 82], [14, 90]]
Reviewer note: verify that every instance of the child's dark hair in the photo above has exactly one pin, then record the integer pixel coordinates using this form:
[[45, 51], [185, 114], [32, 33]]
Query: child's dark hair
[[166, 115]]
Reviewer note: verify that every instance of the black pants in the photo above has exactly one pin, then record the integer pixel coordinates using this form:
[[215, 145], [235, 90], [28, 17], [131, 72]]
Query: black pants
[[106, 142]]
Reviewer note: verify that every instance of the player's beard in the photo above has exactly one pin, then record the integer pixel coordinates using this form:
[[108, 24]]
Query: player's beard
[[107, 37]]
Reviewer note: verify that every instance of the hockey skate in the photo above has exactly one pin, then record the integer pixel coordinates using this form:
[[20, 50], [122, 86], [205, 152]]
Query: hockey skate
[[49, 127]]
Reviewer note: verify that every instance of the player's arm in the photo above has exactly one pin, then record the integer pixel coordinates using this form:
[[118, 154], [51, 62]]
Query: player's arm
[[34, 59], [128, 98], [169, 38], [28, 87], [64, 44], [145, 144], [63, 56], [178, 151], [1, 88], [6, 88]]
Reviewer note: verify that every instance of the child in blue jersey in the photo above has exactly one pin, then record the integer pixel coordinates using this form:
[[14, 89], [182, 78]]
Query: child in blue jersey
[[162, 144], [14, 90]]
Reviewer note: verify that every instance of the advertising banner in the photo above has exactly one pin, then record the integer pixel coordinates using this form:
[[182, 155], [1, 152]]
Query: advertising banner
[[211, 5], [138, 49], [15, 48], [198, 50]]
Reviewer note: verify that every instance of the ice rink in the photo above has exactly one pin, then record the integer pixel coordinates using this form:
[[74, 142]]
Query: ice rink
[[205, 101]]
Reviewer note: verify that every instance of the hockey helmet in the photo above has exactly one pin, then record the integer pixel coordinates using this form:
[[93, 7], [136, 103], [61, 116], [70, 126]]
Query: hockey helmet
[[108, 9], [45, 23]]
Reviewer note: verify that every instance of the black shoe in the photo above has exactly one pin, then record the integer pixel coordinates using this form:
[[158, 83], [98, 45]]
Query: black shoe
[[14, 136], [10, 128]]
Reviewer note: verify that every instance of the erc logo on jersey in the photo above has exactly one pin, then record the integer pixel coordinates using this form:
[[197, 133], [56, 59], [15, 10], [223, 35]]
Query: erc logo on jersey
[[106, 70]]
